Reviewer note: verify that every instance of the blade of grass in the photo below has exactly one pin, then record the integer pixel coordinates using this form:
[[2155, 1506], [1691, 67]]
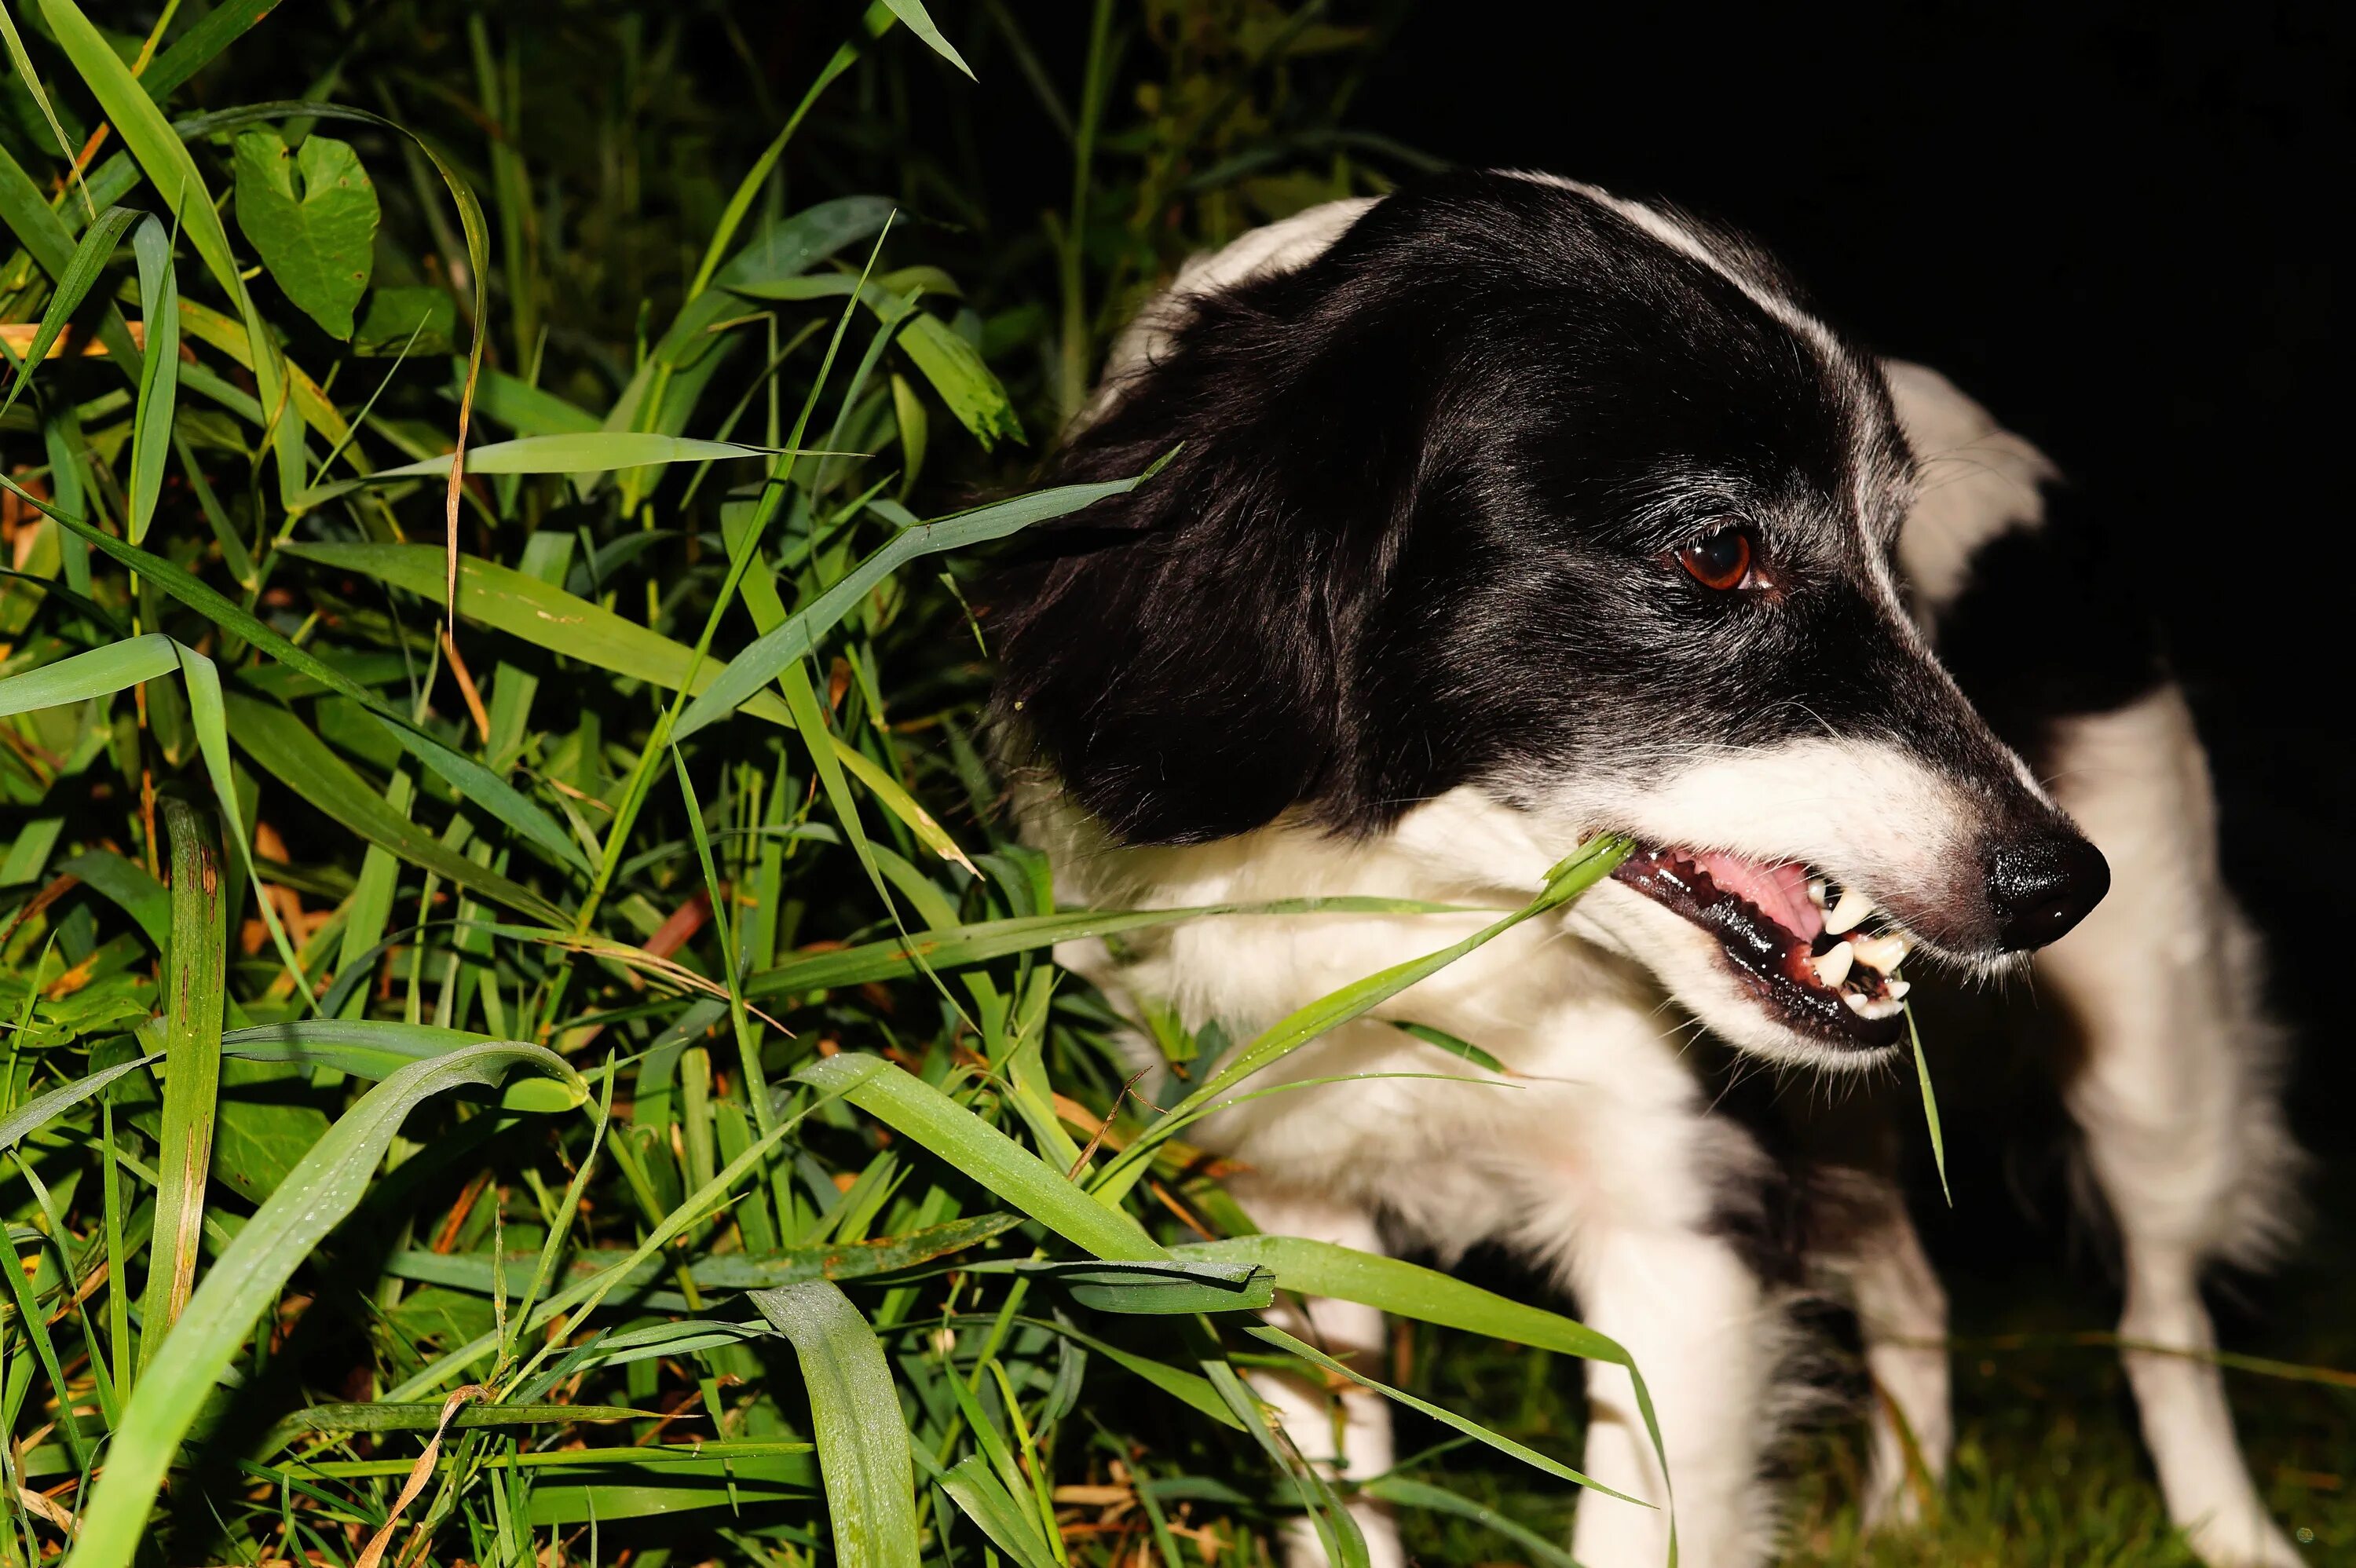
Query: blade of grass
[[539, 613], [101, 672], [1930, 1108], [32, 81], [1448, 1418], [923, 1114], [322, 1189], [292, 752], [159, 374], [862, 1441], [1582, 870], [196, 987], [920, 23], [90, 258], [770, 656]]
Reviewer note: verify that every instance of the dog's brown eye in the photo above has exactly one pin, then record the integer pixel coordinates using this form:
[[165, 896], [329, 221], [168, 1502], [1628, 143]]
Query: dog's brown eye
[[1721, 561]]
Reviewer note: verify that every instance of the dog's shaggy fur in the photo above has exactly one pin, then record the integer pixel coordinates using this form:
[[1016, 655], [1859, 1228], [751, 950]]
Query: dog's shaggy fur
[[1505, 512]]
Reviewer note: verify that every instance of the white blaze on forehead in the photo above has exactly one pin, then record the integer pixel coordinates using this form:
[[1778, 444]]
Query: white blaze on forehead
[[1975, 481], [1682, 238]]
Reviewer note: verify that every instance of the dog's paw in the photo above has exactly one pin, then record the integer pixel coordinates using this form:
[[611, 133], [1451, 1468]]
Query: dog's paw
[[1896, 1506], [2251, 1540]]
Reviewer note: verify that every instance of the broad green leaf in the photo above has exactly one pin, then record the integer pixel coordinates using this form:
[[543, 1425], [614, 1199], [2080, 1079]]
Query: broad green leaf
[[292, 752], [100, 672], [258, 1143], [195, 989], [90, 258], [159, 372], [141, 896], [247, 1276], [862, 1441], [416, 320], [540, 613], [766, 659], [471, 221], [311, 215]]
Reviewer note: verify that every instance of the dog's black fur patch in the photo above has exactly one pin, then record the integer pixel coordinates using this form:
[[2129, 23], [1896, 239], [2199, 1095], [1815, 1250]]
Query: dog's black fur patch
[[2053, 623], [1418, 529]]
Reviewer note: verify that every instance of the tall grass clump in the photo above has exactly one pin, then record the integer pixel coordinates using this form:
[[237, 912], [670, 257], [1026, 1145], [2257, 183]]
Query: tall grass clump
[[526, 1040]]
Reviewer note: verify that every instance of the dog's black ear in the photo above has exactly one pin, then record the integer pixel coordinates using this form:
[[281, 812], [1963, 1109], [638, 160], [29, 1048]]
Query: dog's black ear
[[1177, 654]]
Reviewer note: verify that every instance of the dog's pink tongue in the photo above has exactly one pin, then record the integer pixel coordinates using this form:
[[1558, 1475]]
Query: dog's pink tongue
[[1780, 891]]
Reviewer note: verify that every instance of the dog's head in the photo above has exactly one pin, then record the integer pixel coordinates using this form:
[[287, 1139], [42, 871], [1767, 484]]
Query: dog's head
[[1518, 488]]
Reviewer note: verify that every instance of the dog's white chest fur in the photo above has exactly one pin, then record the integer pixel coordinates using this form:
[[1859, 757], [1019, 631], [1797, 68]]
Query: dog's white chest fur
[[1597, 1097]]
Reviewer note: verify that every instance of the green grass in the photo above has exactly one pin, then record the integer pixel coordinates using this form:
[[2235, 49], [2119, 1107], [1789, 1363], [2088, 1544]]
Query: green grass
[[590, 1088], [2048, 1468]]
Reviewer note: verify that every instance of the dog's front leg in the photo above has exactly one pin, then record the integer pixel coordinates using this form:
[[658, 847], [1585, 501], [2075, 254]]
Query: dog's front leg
[[1345, 1434], [1695, 1317], [1901, 1314], [2175, 1095]]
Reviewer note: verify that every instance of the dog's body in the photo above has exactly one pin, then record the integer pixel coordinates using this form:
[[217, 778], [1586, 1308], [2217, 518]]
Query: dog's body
[[1444, 579]]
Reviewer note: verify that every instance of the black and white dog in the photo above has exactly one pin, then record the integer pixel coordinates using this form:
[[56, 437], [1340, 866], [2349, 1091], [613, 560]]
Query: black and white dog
[[1505, 512]]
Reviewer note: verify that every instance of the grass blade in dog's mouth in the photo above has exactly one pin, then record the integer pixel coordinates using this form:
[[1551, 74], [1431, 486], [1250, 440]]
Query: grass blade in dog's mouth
[[1796, 940]]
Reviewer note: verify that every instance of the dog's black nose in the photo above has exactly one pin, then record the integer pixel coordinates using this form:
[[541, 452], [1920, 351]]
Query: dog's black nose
[[2041, 886]]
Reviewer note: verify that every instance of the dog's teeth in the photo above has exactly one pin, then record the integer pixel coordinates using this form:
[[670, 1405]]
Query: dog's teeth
[[1871, 1008], [1853, 907], [1883, 953], [1832, 967], [1895, 990], [1817, 892]]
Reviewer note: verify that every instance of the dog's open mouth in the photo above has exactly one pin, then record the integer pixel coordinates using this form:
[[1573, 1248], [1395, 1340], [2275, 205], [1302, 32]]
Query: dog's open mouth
[[1796, 940]]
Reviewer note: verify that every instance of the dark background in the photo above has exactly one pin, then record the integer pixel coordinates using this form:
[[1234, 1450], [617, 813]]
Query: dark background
[[2110, 227]]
